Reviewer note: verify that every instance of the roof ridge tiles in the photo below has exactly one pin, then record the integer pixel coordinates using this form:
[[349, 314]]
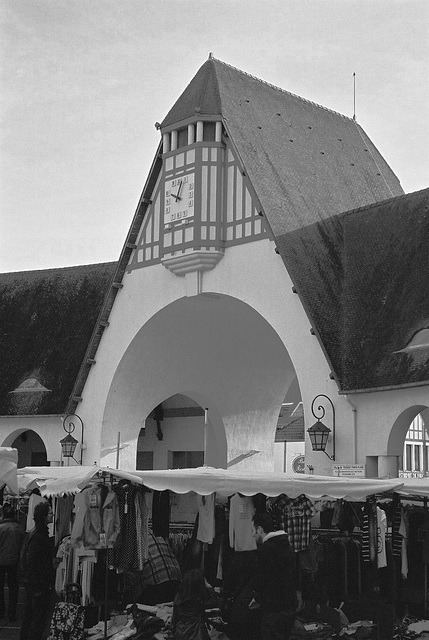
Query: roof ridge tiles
[[277, 88]]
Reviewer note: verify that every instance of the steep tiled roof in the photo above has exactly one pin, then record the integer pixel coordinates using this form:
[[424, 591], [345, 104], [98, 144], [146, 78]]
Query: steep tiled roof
[[363, 278], [358, 281], [46, 320], [305, 162]]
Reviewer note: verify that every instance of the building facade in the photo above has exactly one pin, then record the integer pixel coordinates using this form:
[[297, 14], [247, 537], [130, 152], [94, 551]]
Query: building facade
[[273, 261]]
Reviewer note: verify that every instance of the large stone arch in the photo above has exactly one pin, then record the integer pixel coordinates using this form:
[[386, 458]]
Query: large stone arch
[[219, 351]]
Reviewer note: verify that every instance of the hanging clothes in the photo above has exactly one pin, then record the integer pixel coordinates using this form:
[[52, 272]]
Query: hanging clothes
[[381, 538], [241, 512], [396, 518], [293, 515], [62, 575], [206, 522], [63, 511], [79, 511], [161, 513], [403, 530], [131, 549], [142, 526], [101, 518]]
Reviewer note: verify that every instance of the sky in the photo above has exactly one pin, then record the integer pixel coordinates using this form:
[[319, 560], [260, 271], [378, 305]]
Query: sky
[[84, 81]]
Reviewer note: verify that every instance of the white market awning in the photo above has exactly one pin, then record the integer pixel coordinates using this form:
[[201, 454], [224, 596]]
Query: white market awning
[[8, 468], [54, 481], [206, 480], [415, 487]]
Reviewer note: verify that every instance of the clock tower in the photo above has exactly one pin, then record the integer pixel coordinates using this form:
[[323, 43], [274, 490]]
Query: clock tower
[[202, 201]]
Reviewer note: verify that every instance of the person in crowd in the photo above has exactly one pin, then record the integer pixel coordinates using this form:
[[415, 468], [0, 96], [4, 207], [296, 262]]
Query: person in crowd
[[37, 567], [11, 539], [275, 590], [161, 575], [189, 608], [238, 588]]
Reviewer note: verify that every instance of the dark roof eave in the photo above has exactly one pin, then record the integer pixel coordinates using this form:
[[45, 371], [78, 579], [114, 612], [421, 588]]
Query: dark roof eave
[[391, 387]]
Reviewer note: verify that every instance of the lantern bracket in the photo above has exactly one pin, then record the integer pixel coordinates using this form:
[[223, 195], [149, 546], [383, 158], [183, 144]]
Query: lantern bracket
[[318, 432]]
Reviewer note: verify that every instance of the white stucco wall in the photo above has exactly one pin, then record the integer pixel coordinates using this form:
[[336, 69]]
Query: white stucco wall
[[235, 349]]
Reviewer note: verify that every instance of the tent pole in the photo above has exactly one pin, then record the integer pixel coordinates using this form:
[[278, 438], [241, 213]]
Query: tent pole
[[106, 594], [118, 446], [206, 426]]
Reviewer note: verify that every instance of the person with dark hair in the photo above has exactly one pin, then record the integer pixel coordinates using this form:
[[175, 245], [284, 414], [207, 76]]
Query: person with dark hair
[[189, 621], [11, 539], [275, 590], [37, 567]]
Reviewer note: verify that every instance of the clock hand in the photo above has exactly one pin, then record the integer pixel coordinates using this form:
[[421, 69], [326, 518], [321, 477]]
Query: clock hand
[[177, 195], [179, 190]]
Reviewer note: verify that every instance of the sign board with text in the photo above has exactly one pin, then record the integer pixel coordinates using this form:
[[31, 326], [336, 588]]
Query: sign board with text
[[349, 470], [412, 474]]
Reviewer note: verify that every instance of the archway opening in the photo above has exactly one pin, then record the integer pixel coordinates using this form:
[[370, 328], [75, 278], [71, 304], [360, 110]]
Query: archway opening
[[173, 436], [31, 450], [415, 458], [220, 353], [407, 448]]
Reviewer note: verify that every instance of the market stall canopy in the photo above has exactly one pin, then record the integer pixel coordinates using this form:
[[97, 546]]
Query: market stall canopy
[[418, 487], [8, 468], [54, 481], [206, 480]]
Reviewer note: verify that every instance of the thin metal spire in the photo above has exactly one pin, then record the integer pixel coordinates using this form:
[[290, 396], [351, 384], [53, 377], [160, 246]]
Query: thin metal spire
[[354, 96]]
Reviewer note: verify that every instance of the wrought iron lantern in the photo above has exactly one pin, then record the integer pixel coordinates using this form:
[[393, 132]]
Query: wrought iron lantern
[[68, 446], [319, 432], [69, 443]]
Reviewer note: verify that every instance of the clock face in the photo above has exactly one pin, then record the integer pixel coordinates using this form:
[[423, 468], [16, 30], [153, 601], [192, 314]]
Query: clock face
[[179, 199]]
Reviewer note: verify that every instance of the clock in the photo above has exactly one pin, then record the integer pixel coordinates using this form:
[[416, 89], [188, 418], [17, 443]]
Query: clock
[[179, 199]]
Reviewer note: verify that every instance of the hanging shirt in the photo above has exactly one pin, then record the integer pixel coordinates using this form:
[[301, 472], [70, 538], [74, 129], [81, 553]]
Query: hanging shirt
[[293, 515], [79, 510], [241, 512], [161, 564], [403, 530], [206, 521], [101, 518], [381, 538]]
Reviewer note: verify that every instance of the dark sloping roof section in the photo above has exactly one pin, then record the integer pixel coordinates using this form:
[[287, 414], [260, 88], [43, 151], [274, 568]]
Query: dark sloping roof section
[[362, 277], [305, 162], [46, 321]]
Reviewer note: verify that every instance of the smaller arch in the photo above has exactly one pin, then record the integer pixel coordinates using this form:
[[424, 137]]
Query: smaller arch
[[157, 441], [31, 449], [395, 443]]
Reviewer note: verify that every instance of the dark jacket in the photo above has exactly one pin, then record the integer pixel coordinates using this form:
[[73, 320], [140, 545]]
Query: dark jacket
[[11, 539], [36, 562], [275, 585], [189, 620]]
